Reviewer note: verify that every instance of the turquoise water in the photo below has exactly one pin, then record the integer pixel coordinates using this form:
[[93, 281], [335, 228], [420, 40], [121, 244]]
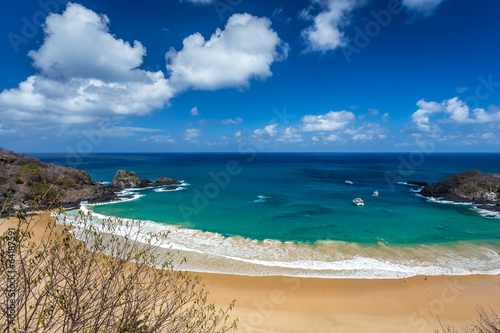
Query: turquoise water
[[292, 214]]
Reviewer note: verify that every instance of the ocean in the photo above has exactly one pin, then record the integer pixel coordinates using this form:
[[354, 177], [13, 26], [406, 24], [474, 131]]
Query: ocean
[[292, 214]]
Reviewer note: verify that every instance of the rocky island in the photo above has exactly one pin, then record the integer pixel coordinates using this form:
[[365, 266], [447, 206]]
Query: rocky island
[[25, 179], [472, 187]]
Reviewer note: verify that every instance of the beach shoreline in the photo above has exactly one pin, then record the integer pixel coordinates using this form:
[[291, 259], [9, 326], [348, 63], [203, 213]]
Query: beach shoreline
[[290, 304]]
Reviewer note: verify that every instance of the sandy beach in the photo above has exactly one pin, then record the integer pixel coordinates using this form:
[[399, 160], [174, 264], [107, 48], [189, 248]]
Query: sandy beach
[[285, 304]]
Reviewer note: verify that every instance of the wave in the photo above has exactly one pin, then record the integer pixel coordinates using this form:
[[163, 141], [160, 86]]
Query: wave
[[212, 252], [165, 189], [490, 214], [262, 198], [180, 187]]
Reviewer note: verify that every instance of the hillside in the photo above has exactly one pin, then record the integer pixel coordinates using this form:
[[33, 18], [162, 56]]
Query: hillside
[[24, 179], [472, 186]]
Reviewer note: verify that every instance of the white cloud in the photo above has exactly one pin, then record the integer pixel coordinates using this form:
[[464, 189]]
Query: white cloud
[[373, 112], [385, 117], [237, 134], [158, 139], [245, 49], [332, 121], [124, 131], [483, 116], [325, 33], [194, 111], [269, 130], [368, 132], [289, 135], [331, 138], [85, 74], [461, 90], [230, 121], [191, 134], [421, 7], [421, 117], [457, 112]]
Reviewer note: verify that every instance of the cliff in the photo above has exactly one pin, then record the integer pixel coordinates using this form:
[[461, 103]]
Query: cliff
[[25, 179], [471, 186]]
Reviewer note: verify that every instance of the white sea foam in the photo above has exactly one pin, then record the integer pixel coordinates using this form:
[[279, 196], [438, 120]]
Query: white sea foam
[[262, 198], [487, 213], [483, 212], [212, 252]]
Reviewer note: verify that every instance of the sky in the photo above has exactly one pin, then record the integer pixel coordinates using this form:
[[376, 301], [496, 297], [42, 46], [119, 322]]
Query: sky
[[239, 75]]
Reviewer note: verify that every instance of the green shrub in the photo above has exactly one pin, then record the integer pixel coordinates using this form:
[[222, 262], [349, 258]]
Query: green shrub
[[18, 181], [30, 167]]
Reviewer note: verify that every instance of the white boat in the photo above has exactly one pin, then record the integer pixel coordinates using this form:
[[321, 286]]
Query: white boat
[[349, 182], [375, 194], [358, 202]]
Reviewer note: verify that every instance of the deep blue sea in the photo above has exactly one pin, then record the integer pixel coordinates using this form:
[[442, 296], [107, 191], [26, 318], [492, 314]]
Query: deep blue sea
[[292, 214]]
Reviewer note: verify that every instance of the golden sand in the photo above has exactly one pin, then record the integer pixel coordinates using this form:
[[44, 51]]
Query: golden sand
[[285, 304]]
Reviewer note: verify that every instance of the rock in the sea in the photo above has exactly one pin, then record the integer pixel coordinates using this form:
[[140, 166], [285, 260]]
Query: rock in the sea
[[124, 179], [163, 181], [471, 186]]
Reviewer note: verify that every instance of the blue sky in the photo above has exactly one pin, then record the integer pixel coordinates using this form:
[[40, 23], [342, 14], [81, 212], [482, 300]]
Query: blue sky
[[225, 75]]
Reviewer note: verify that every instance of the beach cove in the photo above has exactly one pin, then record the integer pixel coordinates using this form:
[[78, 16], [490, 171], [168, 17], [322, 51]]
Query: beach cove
[[288, 304]]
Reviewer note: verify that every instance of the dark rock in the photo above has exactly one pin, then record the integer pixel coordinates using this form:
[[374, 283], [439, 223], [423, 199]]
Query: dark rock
[[418, 183], [124, 179], [24, 179], [164, 181], [171, 188], [471, 186]]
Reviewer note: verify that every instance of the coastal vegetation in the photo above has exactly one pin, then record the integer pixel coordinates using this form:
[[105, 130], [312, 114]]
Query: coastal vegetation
[[86, 277], [472, 186], [26, 179], [486, 322]]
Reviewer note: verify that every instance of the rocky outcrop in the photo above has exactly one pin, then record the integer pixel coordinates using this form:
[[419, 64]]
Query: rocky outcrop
[[164, 181], [25, 179], [472, 186], [124, 179]]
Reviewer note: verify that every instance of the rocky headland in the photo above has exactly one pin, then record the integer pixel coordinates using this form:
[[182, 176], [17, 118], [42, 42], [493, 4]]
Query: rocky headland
[[28, 180], [472, 187]]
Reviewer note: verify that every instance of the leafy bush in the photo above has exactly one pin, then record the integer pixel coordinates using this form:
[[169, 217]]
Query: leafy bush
[[484, 323], [101, 282]]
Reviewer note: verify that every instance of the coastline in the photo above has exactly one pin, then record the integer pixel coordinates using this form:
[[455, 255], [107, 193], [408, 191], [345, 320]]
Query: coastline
[[286, 304]]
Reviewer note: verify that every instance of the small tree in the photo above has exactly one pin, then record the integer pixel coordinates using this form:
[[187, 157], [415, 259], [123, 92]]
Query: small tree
[[88, 277], [484, 323]]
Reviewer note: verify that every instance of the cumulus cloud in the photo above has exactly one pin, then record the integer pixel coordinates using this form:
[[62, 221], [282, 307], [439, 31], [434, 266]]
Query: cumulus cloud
[[421, 7], [245, 49], [290, 135], [332, 121], [191, 134], [85, 74], [325, 32], [269, 130], [158, 139], [455, 110], [230, 121], [194, 111]]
